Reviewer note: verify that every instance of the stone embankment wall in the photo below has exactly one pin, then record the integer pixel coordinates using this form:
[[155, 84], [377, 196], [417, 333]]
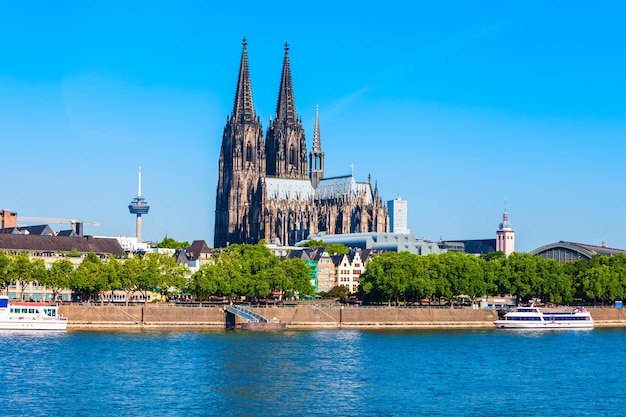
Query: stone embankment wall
[[112, 316], [319, 316], [608, 316], [310, 316], [150, 315]]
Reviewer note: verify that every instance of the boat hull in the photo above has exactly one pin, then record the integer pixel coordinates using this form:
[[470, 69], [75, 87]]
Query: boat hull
[[57, 325], [510, 324], [260, 326]]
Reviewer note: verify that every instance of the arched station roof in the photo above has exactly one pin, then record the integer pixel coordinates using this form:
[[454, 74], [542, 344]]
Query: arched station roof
[[569, 251]]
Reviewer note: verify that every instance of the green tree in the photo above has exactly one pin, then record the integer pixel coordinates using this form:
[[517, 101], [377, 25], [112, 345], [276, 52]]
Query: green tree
[[464, 273], [39, 271], [169, 243], [557, 286], [331, 248], [488, 257], [491, 270], [314, 244], [339, 291], [59, 276], [390, 274], [337, 249], [520, 270], [439, 274], [253, 262], [618, 265], [90, 279], [150, 274], [421, 283], [210, 280], [22, 271], [600, 281], [114, 267], [297, 277], [129, 275], [5, 271], [172, 277], [592, 281]]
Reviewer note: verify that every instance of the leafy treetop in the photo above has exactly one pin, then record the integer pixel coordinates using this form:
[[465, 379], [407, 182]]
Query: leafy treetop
[[170, 243]]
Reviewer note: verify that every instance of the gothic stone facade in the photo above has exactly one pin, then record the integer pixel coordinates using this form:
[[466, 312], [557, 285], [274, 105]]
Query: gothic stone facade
[[268, 190]]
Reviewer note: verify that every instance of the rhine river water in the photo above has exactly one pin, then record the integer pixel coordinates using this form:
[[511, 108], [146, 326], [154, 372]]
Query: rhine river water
[[314, 373]]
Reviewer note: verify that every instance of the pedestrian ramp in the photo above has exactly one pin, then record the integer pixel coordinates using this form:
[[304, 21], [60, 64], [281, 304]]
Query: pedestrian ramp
[[245, 313]]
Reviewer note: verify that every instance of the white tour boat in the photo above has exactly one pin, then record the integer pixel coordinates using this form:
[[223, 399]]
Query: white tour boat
[[533, 318], [30, 316]]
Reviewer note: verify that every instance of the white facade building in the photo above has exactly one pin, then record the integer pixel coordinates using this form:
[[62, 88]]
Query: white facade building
[[349, 268]]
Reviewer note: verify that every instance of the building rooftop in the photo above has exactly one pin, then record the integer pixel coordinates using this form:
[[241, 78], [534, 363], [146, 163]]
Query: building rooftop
[[83, 244]]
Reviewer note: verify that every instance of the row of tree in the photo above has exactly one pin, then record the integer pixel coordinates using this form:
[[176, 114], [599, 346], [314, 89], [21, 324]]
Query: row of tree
[[404, 277], [94, 277], [253, 271], [240, 270]]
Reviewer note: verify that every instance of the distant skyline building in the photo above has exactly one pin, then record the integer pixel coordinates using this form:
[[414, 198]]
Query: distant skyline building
[[138, 207], [8, 219], [398, 215], [505, 236]]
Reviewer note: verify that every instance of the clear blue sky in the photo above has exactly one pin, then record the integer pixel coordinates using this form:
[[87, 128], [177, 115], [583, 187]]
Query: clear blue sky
[[456, 106]]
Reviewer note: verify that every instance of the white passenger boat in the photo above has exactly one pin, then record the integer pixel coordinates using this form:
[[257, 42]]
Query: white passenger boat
[[533, 318], [30, 316]]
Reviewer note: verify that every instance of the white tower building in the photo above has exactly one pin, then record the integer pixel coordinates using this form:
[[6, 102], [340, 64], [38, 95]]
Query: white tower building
[[139, 206], [505, 236], [398, 215]]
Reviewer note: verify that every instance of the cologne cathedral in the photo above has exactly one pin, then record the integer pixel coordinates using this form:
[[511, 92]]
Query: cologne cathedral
[[269, 189]]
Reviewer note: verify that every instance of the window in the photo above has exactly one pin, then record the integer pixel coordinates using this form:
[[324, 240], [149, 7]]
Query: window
[[292, 155]]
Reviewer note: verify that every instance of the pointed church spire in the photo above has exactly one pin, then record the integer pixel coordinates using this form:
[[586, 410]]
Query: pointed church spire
[[286, 107], [316, 156], [285, 144], [505, 219], [243, 109], [317, 141], [376, 191]]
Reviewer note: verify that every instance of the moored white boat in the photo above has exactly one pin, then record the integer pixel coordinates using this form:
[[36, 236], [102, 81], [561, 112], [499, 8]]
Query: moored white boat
[[30, 316], [533, 318]]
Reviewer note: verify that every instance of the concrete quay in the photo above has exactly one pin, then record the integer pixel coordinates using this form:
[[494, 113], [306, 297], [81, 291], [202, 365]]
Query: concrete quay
[[162, 316]]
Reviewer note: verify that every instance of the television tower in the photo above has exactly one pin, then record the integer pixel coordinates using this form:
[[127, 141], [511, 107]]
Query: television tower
[[139, 206]]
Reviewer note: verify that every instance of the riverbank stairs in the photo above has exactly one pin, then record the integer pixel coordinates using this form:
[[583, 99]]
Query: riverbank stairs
[[245, 313]]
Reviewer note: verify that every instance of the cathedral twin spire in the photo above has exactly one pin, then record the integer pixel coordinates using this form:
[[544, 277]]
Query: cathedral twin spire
[[244, 213], [285, 143]]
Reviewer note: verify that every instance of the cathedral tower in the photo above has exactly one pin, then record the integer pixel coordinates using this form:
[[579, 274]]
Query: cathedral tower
[[242, 162], [316, 157], [286, 144], [265, 190]]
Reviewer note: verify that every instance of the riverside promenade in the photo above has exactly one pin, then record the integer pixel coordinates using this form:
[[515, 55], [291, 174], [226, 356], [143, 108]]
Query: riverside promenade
[[310, 316]]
